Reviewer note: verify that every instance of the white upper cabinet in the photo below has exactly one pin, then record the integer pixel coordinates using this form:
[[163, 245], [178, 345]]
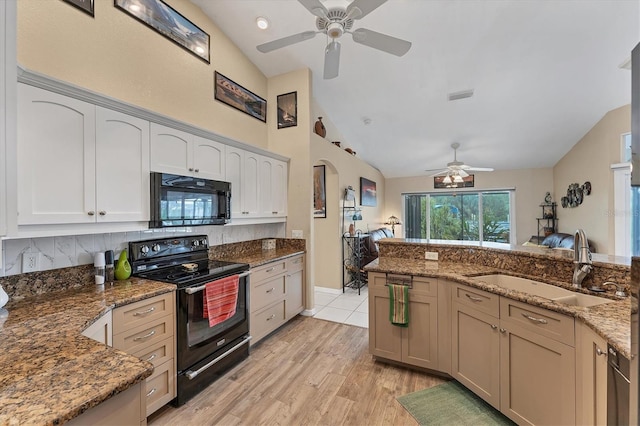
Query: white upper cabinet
[[122, 167], [56, 158], [181, 153], [242, 171], [273, 187], [78, 163]]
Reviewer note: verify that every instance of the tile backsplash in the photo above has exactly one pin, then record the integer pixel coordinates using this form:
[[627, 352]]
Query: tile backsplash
[[74, 250]]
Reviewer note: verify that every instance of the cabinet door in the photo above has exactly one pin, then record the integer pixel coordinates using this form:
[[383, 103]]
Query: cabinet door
[[265, 206], [171, 150], [294, 286], [208, 159], [385, 339], [56, 158], [280, 187], [476, 352], [122, 167], [420, 339], [234, 160], [251, 184], [537, 377], [591, 377]]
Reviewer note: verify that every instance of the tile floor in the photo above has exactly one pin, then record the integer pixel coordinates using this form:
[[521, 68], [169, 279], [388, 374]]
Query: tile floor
[[347, 308]]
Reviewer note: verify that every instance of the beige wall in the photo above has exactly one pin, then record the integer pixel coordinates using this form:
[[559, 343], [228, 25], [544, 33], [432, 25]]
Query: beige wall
[[590, 160], [116, 55], [343, 169], [530, 188]]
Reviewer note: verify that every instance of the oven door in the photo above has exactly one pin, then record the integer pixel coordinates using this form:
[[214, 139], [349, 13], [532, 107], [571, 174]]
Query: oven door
[[196, 340]]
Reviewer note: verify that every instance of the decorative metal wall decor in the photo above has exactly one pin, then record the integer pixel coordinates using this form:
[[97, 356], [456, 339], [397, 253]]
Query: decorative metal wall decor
[[575, 194]]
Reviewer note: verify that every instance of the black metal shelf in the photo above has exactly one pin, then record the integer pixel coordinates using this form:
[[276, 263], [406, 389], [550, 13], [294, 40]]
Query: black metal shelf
[[548, 223], [355, 249]]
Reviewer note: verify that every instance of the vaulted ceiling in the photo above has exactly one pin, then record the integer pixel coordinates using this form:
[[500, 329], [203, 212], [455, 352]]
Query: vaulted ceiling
[[543, 72]]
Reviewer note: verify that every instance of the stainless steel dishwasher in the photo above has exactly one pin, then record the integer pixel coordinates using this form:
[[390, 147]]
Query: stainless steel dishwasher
[[617, 388]]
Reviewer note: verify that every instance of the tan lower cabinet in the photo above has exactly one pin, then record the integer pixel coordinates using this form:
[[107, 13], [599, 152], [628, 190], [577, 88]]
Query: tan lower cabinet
[[416, 344], [591, 377], [276, 295], [146, 329], [123, 409]]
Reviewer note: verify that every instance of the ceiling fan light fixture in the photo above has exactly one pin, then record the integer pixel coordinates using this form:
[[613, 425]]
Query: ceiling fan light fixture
[[262, 22], [458, 179], [335, 30], [447, 180]]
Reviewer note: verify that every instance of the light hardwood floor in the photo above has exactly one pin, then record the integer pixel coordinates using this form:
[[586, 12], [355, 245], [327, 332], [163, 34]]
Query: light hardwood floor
[[311, 372]]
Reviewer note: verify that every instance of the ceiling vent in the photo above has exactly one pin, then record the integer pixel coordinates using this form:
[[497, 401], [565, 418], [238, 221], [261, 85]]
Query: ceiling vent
[[460, 95]]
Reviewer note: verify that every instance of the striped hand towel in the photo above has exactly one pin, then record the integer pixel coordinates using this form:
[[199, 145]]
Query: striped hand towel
[[399, 305], [220, 299]]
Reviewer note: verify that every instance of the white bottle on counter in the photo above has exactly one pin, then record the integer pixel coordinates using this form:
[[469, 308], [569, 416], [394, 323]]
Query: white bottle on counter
[[99, 266]]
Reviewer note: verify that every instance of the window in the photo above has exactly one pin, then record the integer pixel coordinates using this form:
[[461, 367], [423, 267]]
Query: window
[[463, 216]]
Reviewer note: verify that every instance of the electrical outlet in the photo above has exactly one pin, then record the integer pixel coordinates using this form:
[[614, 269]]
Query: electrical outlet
[[431, 255], [30, 262], [296, 233]]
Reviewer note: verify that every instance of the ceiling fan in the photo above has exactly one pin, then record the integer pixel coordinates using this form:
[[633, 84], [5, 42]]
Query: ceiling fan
[[456, 170], [334, 23]]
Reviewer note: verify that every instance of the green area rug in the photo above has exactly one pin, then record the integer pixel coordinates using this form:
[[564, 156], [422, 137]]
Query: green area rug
[[451, 404]]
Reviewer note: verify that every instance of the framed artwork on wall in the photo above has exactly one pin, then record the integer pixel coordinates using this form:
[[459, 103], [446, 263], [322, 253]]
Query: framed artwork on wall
[[288, 110], [231, 93], [367, 192], [169, 23], [84, 5], [319, 192]]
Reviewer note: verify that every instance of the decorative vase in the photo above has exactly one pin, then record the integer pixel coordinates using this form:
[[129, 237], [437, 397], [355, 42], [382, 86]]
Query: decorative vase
[[319, 128], [4, 297], [123, 268]]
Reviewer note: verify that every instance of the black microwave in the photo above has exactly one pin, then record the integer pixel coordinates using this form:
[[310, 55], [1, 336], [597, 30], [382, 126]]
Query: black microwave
[[188, 201]]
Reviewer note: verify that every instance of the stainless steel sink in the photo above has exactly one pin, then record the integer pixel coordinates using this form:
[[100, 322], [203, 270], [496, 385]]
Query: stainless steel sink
[[541, 289]]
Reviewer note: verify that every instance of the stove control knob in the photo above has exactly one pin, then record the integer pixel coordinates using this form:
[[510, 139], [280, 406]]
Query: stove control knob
[[144, 250], [203, 242], [156, 247], [195, 243]]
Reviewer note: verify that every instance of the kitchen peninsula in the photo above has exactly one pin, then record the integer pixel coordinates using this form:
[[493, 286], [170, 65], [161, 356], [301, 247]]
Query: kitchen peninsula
[[531, 357]]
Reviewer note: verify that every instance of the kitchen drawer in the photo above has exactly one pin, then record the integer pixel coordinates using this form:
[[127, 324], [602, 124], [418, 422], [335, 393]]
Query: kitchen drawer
[[266, 292], [145, 335], [159, 353], [294, 264], [547, 323], [267, 271], [142, 312], [268, 319], [481, 300], [161, 386], [424, 286]]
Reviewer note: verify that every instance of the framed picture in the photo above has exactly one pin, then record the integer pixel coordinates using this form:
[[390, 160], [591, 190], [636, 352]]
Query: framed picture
[[231, 93], [168, 22], [288, 110], [367, 192], [467, 182], [319, 192], [84, 5]]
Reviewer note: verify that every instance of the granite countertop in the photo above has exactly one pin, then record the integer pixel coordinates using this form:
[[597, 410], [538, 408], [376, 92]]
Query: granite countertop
[[611, 320], [49, 372], [259, 258]]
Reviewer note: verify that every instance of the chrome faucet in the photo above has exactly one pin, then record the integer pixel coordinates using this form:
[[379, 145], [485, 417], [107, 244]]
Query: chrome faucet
[[581, 258]]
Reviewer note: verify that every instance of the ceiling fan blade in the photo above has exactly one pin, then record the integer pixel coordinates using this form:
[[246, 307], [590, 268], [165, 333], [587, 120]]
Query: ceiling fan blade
[[380, 41], [286, 41], [441, 172], [331, 60], [462, 173], [479, 169], [361, 8], [315, 7]]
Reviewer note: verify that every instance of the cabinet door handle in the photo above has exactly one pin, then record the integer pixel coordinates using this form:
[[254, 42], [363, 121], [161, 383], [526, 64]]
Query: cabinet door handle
[[196, 170], [502, 330], [148, 311], [493, 326], [600, 352], [151, 358], [534, 319], [190, 169], [274, 212], [151, 392], [473, 298], [135, 339], [91, 212], [271, 290], [102, 212], [271, 317], [269, 270]]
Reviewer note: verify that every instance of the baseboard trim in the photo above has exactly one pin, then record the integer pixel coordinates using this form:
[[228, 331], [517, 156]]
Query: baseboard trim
[[329, 290], [309, 312]]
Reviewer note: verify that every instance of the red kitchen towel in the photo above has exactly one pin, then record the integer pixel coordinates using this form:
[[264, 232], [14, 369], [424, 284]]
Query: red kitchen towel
[[220, 299]]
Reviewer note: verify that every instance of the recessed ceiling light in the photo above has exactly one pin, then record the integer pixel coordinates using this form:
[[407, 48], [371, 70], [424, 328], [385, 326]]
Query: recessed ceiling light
[[262, 22]]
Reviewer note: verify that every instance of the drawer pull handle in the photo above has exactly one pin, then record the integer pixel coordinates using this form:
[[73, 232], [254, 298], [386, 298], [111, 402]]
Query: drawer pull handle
[[270, 270], [600, 352], [271, 317], [534, 319], [493, 326], [148, 311], [271, 290], [473, 298], [151, 358], [151, 392], [146, 336]]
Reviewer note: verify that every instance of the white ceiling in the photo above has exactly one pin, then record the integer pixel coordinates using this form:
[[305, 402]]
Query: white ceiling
[[543, 72]]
